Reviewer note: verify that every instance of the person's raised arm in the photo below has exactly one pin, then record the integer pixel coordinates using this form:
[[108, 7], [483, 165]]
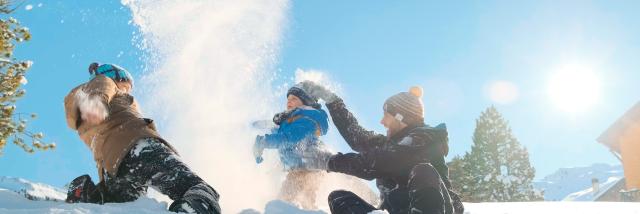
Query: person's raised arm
[[72, 110], [358, 138], [92, 99]]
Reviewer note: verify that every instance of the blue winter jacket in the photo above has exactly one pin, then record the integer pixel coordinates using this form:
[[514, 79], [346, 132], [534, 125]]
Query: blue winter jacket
[[298, 134]]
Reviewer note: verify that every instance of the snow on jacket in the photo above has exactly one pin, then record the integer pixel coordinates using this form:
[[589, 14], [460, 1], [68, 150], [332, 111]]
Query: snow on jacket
[[389, 160], [111, 139], [298, 135]]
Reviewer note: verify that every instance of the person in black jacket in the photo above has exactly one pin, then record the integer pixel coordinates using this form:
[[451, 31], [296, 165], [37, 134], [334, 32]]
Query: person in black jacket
[[408, 163]]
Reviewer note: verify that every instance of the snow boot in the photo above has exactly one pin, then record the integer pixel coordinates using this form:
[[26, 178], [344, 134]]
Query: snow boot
[[80, 190], [345, 202], [201, 199]]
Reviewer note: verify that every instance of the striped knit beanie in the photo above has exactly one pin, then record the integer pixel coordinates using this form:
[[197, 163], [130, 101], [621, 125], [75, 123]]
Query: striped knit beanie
[[406, 107], [306, 99]]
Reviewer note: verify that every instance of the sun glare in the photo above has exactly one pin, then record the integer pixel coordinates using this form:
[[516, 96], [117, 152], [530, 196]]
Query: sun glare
[[502, 92], [574, 88]]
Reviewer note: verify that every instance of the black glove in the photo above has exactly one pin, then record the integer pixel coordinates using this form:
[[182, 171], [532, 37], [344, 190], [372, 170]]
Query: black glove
[[316, 159], [346, 163], [318, 91]]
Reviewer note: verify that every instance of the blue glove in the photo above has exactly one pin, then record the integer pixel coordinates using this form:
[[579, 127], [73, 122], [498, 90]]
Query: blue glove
[[258, 147]]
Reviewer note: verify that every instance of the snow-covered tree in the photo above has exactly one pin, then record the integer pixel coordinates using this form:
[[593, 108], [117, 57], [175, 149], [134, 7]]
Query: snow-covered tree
[[12, 76], [497, 168]]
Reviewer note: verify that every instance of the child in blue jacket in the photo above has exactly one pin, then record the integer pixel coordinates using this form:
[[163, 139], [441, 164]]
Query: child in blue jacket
[[297, 136]]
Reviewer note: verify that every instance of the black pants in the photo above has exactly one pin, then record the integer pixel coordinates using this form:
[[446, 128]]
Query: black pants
[[151, 163], [427, 194]]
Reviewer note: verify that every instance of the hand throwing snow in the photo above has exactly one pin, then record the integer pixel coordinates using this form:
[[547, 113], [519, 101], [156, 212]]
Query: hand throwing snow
[[130, 154], [93, 118], [92, 110], [318, 91]]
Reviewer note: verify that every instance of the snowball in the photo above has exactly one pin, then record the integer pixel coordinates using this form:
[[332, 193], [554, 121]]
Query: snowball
[[91, 105]]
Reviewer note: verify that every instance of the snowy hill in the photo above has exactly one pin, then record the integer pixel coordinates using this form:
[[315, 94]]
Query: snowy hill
[[19, 195], [566, 181], [31, 190]]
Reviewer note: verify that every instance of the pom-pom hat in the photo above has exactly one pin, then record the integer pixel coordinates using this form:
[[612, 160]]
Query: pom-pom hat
[[406, 107]]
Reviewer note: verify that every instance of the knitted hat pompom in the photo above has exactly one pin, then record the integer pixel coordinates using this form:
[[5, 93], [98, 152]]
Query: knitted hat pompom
[[416, 91], [407, 106]]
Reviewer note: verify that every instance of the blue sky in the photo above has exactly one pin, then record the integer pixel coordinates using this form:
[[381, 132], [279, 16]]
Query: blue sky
[[374, 49]]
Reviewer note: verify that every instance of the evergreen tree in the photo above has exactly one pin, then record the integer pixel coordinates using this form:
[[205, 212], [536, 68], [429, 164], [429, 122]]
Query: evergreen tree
[[497, 168], [13, 124]]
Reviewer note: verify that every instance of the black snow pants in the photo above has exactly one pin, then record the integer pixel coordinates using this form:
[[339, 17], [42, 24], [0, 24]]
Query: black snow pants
[[427, 194], [151, 163]]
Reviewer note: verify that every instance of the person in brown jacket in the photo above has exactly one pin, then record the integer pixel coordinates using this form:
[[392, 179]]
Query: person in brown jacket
[[130, 154]]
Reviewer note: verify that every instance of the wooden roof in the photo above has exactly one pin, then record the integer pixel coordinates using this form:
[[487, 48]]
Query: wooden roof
[[611, 137]]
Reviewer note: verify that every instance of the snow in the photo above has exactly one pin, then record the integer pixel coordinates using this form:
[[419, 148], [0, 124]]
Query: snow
[[552, 207], [36, 191], [91, 105], [28, 7], [12, 200], [48, 199], [281, 207], [318, 76], [139, 147], [566, 181], [188, 208]]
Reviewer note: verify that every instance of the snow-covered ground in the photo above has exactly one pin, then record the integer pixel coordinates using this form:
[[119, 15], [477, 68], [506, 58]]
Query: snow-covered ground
[[553, 207], [13, 200], [566, 181]]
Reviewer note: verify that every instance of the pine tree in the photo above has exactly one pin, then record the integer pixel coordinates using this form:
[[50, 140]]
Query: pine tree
[[13, 125], [497, 168]]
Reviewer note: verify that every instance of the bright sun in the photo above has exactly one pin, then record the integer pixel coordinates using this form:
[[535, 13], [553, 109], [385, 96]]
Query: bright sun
[[574, 88]]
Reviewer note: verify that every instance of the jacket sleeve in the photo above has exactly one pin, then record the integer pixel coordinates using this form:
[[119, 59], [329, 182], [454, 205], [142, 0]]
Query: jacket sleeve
[[71, 109], [387, 161], [352, 164], [374, 164], [102, 87], [358, 138], [292, 134], [411, 150]]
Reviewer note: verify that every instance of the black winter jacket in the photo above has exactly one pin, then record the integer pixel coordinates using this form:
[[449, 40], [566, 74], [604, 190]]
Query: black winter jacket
[[389, 160]]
